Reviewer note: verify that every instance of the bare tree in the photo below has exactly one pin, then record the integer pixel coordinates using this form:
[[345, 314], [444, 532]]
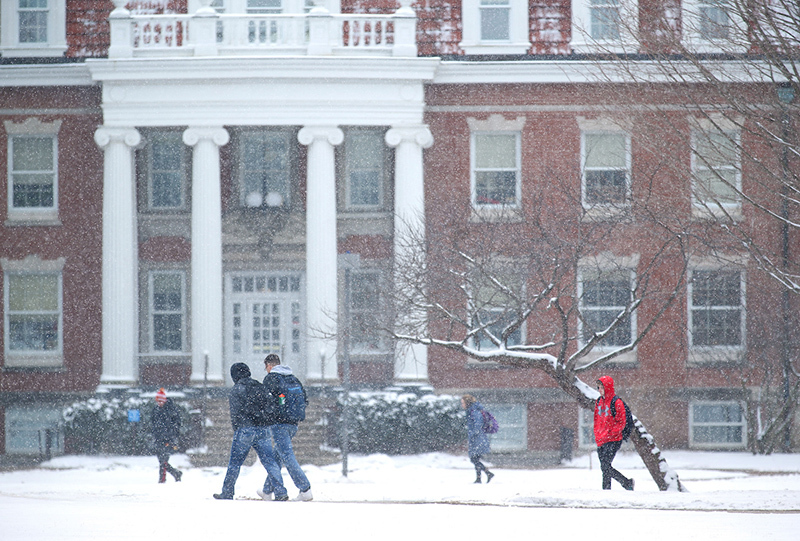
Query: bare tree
[[523, 293]]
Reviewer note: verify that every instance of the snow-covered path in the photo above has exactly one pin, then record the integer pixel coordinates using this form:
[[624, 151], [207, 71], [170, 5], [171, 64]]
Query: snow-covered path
[[734, 496]]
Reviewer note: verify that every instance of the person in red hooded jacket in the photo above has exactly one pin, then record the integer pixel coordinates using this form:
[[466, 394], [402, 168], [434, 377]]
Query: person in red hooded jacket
[[608, 432]]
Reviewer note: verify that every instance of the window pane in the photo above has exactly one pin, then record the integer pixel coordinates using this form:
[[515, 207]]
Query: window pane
[[364, 155], [717, 413], [605, 19], [33, 153], [28, 429], [495, 16], [606, 187], [717, 186], [33, 292], [714, 21], [32, 26], [483, 342], [495, 151], [716, 288], [716, 149], [167, 292], [33, 332], [265, 164], [166, 151], [167, 335], [605, 150], [496, 187]]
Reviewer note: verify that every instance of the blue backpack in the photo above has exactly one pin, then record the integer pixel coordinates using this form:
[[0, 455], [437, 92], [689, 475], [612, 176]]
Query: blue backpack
[[291, 400], [490, 425]]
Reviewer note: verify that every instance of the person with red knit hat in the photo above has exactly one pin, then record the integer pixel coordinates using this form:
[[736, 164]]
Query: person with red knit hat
[[608, 432], [165, 424]]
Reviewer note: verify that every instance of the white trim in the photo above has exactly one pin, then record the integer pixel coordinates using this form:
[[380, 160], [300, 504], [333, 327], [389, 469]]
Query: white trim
[[700, 355], [584, 42], [736, 42], [32, 127], [518, 41], [28, 266], [717, 445], [56, 43]]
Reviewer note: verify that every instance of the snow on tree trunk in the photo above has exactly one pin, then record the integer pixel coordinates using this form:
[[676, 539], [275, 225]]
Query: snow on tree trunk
[[644, 443]]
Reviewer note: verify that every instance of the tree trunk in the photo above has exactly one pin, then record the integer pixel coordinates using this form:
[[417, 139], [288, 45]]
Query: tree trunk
[[643, 442]]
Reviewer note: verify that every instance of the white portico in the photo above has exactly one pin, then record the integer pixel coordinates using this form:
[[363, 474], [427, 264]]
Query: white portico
[[208, 93]]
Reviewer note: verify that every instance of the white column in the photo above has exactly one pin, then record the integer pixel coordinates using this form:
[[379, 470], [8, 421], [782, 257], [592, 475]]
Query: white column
[[206, 251], [411, 361], [321, 292], [120, 257]]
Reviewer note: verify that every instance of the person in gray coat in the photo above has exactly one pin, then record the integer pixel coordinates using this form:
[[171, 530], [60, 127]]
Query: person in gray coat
[[477, 440]]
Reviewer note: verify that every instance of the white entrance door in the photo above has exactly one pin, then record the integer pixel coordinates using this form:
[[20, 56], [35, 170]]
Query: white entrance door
[[264, 315]]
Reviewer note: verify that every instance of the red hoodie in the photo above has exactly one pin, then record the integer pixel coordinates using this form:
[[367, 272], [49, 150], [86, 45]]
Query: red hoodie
[[606, 427]]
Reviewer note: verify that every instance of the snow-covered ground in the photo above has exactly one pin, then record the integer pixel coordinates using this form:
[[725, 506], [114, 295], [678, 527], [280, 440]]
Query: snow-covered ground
[[733, 496]]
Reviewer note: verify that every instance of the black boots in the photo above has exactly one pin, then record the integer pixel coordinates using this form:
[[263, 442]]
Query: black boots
[[489, 476]]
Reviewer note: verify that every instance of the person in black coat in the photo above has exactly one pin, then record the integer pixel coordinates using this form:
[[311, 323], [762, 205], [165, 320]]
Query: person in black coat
[[249, 418], [165, 424]]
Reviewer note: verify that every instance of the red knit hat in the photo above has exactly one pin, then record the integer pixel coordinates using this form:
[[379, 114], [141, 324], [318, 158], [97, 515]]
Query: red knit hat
[[161, 396]]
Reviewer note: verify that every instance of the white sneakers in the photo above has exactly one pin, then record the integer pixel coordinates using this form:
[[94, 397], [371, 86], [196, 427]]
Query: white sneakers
[[302, 497]]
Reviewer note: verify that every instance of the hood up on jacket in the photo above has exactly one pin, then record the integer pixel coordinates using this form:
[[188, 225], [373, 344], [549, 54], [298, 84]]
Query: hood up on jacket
[[239, 371], [282, 369], [608, 386]]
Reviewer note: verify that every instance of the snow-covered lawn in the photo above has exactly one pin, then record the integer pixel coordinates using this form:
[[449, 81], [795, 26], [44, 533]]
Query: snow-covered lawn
[[733, 496]]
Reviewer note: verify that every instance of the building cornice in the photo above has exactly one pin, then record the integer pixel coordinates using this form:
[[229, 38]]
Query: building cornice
[[73, 74]]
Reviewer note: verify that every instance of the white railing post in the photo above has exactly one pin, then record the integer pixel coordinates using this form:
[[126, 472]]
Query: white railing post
[[120, 25], [203, 30], [319, 31], [405, 30]]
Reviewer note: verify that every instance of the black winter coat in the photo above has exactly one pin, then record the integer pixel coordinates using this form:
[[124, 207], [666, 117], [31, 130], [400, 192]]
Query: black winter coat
[[165, 423], [241, 402]]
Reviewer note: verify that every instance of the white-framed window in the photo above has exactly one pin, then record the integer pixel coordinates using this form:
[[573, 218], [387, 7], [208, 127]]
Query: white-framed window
[[605, 289], [605, 26], [31, 430], [33, 171], [717, 322], [496, 296], [495, 164], [495, 27], [713, 26], [368, 312], [717, 425], [606, 168], [265, 168], [513, 422], [33, 318], [167, 158], [365, 158], [33, 28], [716, 168], [586, 429], [167, 311]]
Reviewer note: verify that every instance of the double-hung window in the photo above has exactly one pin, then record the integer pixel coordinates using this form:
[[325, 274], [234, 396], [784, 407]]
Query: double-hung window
[[495, 27], [364, 170], [33, 28], [167, 311], [369, 315], [33, 171], [713, 26], [605, 291], [513, 422], [497, 296], [716, 169], [33, 312], [264, 161], [167, 166], [604, 26], [717, 425], [606, 171], [495, 157], [716, 314]]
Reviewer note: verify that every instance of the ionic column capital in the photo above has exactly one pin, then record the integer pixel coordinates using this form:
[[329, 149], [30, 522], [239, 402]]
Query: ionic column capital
[[330, 134], [193, 135], [104, 136], [419, 135]]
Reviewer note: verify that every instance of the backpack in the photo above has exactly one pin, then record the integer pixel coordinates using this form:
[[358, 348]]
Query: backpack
[[258, 405], [291, 400], [626, 432], [490, 425]]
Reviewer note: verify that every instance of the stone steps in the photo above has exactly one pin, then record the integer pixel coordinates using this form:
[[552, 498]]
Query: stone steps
[[309, 443]]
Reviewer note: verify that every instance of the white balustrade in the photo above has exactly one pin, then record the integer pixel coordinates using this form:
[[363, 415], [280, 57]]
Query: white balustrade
[[231, 34]]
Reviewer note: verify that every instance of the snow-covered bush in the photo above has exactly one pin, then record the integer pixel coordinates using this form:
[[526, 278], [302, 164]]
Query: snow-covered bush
[[401, 423], [100, 425]]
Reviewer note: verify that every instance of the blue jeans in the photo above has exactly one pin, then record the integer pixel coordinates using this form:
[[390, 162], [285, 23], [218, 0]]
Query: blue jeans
[[256, 437], [283, 434]]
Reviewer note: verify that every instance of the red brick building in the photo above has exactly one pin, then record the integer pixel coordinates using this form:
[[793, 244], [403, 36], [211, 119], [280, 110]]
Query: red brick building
[[194, 183]]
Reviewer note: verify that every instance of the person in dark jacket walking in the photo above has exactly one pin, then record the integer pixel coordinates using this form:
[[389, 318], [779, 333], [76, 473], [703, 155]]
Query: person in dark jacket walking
[[165, 425], [608, 432], [249, 431], [477, 440], [283, 429]]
